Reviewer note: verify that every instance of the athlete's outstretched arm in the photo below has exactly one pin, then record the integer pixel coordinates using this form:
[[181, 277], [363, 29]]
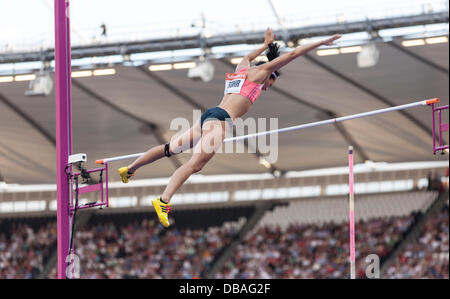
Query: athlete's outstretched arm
[[281, 61], [268, 39]]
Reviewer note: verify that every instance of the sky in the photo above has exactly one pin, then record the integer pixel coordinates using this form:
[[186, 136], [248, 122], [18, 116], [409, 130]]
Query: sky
[[28, 24]]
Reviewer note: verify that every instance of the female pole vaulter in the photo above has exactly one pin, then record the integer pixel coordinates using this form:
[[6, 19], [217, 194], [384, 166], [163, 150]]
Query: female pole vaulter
[[242, 88]]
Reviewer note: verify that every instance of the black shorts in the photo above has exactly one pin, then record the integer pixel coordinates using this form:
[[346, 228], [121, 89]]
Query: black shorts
[[215, 113]]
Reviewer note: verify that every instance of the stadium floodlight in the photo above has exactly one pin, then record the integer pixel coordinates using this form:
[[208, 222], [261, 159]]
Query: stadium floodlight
[[5, 79], [413, 43], [236, 60], [42, 85], [160, 67], [352, 49], [27, 77], [203, 70], [327, 52], [436, 40], [81, 74], [368, 56], [261, 58], [184, 65], [104, 72]]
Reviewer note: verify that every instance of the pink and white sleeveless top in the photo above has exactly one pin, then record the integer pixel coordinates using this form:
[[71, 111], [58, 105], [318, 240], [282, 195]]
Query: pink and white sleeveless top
[[238, 83]]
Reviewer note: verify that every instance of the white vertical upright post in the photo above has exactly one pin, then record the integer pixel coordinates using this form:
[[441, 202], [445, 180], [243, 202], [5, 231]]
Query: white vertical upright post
[[352, 213]]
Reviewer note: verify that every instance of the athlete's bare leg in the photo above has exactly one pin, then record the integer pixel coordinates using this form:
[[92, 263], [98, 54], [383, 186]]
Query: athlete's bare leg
[[211, 140], [183, 142]]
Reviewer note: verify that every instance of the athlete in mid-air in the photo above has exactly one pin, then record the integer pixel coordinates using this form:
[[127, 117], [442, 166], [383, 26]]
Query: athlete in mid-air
[[242, 88]]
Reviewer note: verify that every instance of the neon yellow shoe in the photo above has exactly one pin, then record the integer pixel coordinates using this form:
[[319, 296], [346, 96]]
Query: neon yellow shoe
[[162, 209], [125, 175]]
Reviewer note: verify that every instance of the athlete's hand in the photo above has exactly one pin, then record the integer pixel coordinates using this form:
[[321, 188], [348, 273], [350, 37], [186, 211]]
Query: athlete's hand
[[269, 37], [330, 41]]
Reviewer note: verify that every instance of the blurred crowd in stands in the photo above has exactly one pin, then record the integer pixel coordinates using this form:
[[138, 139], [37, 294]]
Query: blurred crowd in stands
[[143, 249], [146, 250], [427, 255], [310, 251], [24, 251]]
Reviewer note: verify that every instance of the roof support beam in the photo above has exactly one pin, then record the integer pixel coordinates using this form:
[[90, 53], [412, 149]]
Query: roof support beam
[[31, 121], [47, 135], [418, 57], [24, 161], [370, 92], [181, 95], [340, 127]]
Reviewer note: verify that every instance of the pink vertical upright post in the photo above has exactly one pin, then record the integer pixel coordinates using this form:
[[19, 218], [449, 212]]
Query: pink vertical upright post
[[352, 213], [63, 129]]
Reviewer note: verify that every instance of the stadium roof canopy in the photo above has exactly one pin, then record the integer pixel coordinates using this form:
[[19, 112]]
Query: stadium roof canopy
[[132, 110]]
